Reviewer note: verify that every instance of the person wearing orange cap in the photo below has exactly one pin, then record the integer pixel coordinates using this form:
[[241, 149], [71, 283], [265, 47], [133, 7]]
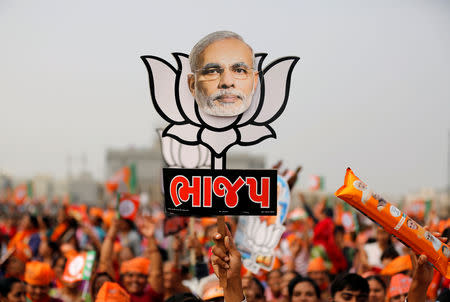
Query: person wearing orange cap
[[38, 276], [398, 288], [28, 233], [112, 292], [141, 277], [319, 273]]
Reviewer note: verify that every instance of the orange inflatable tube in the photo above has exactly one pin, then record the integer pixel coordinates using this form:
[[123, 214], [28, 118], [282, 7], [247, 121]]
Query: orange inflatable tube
[[358, 195]]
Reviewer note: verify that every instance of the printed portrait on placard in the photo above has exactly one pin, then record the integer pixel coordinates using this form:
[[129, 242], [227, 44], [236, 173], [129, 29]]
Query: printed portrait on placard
[[224, 75]]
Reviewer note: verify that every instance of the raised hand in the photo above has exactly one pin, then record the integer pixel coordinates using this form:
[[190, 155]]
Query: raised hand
[[228, 258], [148, 227]]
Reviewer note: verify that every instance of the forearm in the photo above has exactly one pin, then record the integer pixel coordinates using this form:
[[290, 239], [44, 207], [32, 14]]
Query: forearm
[[106, 253], [417, 291], [155, 274], [234, 292]]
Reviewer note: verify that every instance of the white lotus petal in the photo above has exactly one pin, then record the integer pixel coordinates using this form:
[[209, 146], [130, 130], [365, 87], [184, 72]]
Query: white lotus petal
[[256, 226], [186, 99], [189, 156], [260, 237], [251, 133], [270, 230], [218, 141], [162, 88], [166, 148], [250, 112], [205, 156], [276, 80], [250, 226], [175, 148], [186, 132], [275, 238]]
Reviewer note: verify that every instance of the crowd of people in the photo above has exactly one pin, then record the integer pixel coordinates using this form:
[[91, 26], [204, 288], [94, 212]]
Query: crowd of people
[[317, 259]]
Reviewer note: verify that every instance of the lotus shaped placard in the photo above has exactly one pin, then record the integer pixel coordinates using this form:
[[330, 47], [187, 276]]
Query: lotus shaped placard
[[188, 125]]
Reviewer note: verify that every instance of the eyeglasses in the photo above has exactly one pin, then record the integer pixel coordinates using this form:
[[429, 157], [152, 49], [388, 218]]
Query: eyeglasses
[[212, 71]]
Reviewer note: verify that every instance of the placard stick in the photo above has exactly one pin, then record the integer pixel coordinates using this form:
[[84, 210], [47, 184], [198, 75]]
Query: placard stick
[[192, 249], [85, 290], [219, 163]]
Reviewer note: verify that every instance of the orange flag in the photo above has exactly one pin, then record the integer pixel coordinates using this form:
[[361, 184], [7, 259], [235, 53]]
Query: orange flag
[[20, 193], [79, 212], [123, 175]]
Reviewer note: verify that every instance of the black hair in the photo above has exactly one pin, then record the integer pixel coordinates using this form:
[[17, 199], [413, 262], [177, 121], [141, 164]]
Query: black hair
[[299, 279], [329, 212], [183, 297], [259, 284], [446, 233], [353, 282], [6, 284], [379, 280], [389, 253], [94, 278], [33, 220], [338, 229]]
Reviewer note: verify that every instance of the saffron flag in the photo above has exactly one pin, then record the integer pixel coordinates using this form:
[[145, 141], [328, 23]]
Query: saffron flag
[[79, 212], [125, 175], [21, 192], [316, 183]]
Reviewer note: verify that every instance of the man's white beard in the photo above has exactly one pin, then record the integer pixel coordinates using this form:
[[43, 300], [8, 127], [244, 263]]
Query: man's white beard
[[213, 106]]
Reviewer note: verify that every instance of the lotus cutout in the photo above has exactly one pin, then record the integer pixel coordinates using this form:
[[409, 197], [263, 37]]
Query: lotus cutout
[[177, 155], [263, 238], [188, 125]]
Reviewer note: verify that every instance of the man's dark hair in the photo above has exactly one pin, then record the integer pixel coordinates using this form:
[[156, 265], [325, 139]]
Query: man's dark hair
[[6, 285], [184, 297], [34, 221], [353, 282], [339, 229], [298, 279], [379, 280], [389, 253]]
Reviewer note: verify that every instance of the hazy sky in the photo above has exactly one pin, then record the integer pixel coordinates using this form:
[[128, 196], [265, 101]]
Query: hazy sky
[[372, 89]]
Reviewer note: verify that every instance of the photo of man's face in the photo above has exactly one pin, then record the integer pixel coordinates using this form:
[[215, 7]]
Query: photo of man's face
[[357, 184], [223, 79], [411, 224], [381, 204], [446, 251]]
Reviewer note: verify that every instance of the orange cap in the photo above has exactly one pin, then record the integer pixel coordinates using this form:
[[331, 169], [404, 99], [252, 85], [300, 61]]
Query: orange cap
[[207, 221], [38, 273], [96, 212], [137, 265], [399, 285], [112, 292], [399, 264], [213, 292], [316, 265]]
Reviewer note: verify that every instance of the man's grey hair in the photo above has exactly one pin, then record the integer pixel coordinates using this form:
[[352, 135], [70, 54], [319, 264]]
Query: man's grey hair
[[208, 40]]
